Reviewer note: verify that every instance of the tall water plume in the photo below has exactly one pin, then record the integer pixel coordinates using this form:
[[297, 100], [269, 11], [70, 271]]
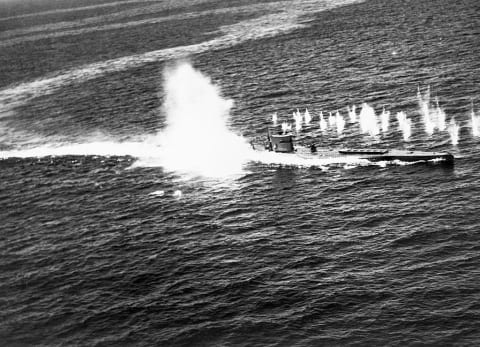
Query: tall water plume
[[196, 139], [424, 105], [297, 117], [274, 119], [352, 113], [404, 125], [307, 117], [385, 120], [323, 122], [331, 119], [454, 131], [340, 122], [475, 122], [286, 127], [368, 120], [440, 116]]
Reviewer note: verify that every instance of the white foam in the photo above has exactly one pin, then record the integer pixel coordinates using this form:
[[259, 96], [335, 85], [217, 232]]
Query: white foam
[[158, 193], [102, 148]]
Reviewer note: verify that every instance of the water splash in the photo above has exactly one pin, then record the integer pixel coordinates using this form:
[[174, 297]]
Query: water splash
[[323, 122], [454, 131], [352, 113], [407, 130], [475, 123], [307, 117], [286, 127], [331, 119], [340, 122], [196, 139], [433, 116], [440, 116], [404, 125], [274, 119], [424, 105], [158, 193], [297, 117], [368, 120], [385, 120]]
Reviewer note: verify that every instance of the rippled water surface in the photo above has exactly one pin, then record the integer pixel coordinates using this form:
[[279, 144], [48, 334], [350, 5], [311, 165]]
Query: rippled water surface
[[97, 248]]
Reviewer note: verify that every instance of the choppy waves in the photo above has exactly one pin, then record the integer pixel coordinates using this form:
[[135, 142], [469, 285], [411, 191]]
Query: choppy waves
[[268, 25]]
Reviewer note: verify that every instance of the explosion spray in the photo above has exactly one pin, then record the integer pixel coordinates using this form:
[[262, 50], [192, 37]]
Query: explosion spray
[[196, 139], [454, 131], [340, 123], [307, 117], [385, 120], [274, 119], [323, 122], [368, 120], [352, 113]]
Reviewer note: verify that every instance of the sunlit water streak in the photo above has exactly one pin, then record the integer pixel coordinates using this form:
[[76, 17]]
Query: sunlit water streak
[[268, 25]]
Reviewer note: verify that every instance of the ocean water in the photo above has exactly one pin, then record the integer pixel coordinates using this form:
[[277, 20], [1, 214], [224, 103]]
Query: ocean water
[[112, 232]]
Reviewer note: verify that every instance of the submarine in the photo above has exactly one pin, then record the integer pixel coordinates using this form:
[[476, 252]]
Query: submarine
[[283, 142]]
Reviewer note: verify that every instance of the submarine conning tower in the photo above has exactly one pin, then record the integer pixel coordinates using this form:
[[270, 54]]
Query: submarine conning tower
[[280, 141]]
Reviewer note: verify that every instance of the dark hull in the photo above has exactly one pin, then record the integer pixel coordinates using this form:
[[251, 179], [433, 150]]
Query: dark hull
[[411, 156], [383, 155], [283, 143]]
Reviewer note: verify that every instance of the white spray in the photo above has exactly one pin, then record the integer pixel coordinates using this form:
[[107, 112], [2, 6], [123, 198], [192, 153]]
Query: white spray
[[297, 117], [368, 120], [454, 131], [424, 105], [404, 125], [385, 120], [323, 122], [196, 139], [340, 122], [440, 116], [307, 117], [286, 127], [274, 119], [331, 119], [352, 113], [475, 123]]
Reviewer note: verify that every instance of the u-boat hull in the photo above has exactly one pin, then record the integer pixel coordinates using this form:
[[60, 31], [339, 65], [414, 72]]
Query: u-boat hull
[[283, 143]]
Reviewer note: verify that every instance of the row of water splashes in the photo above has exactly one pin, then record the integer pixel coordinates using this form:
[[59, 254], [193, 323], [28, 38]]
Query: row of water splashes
[[433, 117], [193, 102]]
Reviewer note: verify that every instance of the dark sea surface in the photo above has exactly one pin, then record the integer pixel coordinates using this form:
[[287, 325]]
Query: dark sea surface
[[96, 250]]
